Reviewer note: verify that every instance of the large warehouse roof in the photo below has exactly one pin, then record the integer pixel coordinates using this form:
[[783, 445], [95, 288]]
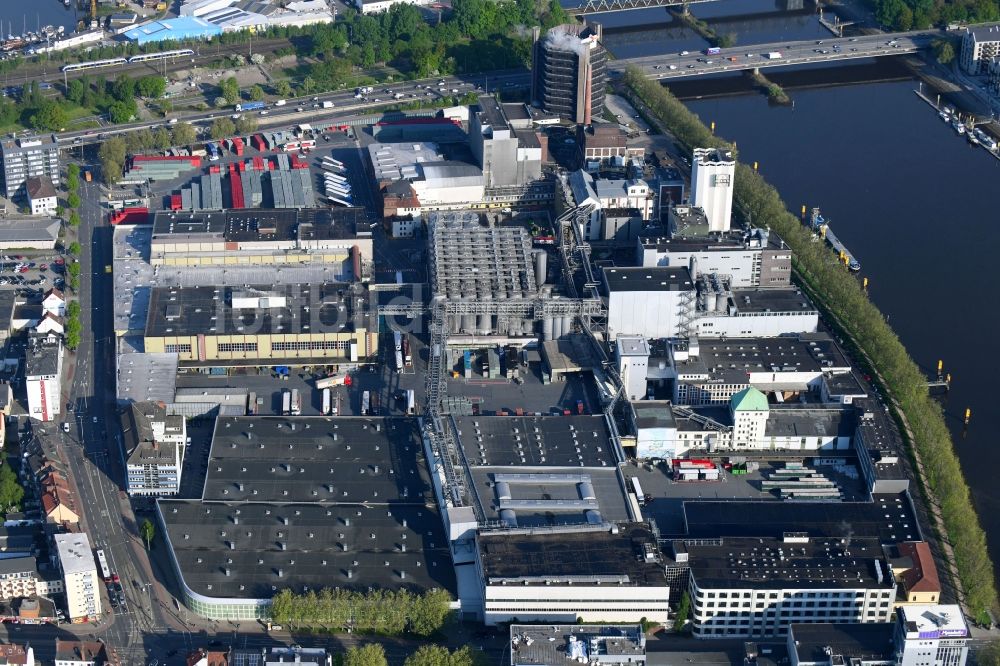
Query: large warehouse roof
[[175, 29]]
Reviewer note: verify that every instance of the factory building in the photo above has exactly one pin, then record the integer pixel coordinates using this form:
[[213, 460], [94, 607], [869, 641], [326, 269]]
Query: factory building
[[649, 302], [601, 573], [792, 368], [757, 258], [713, 173], [600, 645], [758, 587], [980, 46], [608, 198], [170, 30], [507, 156], [260, 325], [438, 183], [336, 237], [569, 72], [747, 423], [28, 156], [154, 445], [306, 503]]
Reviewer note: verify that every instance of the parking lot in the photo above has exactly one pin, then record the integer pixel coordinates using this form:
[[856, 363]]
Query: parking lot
[[39, 270]]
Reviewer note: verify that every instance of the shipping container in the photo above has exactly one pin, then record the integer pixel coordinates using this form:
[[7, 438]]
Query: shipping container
[[326, 401], [296, 402], [286, 402]]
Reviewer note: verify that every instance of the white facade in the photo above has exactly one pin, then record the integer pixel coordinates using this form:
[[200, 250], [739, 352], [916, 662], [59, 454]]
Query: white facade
[[980, 45], [43, 380], [649, 302], [632, 353], [155, 443], [931, 635], [564, 603], [81, 582], [43, 205], [634, 193], [54, 303], [403, 227], [754, 324], [383, 5], [713, 173]]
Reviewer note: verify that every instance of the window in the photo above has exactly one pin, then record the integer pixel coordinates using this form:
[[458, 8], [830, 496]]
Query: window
[[237, 346], [177, 349], [313, 345]]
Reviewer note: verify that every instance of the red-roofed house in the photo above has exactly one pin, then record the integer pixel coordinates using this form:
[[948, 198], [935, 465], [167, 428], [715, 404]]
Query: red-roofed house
[[916, 573]]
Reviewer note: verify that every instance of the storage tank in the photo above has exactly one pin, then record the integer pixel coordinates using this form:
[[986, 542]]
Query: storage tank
[[469, 323], [455, 324], [721, 302], [547, 329], [485, 321], [509, 517], [710, 300], [557, 328], [541, 267], [567, 325]]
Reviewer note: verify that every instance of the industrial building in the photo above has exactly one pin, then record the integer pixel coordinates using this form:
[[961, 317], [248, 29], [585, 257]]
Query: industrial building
[[176, 29], [28, 156], [609, 199], [338, 238], [569, 72], [507, 156], [438, 183], [260, 324], [980, 46], [29, 233], [601, 645], [755, 258], [306, 503], [602, 141], [154, 445], [807, 365], [649, 302], [747, 423], [81, 583], [713, 179], [151, 168], [758, 587], [43, 361], [607, 573]]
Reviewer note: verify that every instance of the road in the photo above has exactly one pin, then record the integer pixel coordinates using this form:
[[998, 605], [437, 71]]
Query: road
[[810, 51], [310, 109]]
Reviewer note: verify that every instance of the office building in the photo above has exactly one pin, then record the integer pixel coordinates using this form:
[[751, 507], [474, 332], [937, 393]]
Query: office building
[[507, 156], [569, 72], [154, 448], [757, 258], [41, 195], [25, 157], [757, 587], [263, 324], [81, 582], [602, 573], [306, 503], [931, 635], [600, 645], [713, 173], [43, 376], [980, 46]]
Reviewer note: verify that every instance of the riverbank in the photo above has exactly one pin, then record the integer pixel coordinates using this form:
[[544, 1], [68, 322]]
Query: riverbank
[[775, 93], [840, 295]]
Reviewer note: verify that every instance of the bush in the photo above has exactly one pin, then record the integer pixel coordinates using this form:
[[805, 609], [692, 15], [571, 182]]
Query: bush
[[74, 221], [841, 296]]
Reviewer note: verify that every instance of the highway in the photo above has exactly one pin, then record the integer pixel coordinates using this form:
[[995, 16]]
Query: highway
[[310, 109], [812, 51]]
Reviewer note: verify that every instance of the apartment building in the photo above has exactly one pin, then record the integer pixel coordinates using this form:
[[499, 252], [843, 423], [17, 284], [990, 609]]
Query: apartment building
[[28, 156], [81, 581]]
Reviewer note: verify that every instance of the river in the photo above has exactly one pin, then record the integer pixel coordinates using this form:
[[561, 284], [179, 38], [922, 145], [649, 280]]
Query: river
[[18, 16]]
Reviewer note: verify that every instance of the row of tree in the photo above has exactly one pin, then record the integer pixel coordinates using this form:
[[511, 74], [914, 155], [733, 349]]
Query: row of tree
[[381, 611], [841, 295], [373, 654], [920, 14]]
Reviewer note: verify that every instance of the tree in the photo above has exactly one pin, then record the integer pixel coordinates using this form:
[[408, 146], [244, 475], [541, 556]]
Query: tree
[[73, 169], [123, 89], [72, 183], [372, 654], [989, 654], [283, 88], [151, 86], [430, 612], [74, 221], [74, 250], [73, 200], [50, 116], [11, 492], [221, 102], [438, 655], [245, 125], [256, 93], [73, 269], [943, 51], [222, 128], [122, 111], [161, 139], [75, 91], [683, 612], [183, 134], [230, 89], [258, 58], [147, 531]]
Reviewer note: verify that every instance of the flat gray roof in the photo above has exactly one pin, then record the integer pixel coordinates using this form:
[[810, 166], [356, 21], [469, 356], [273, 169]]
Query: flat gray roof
[[732, 359], [548, 645], [771, 299], [869, 641], [658, 278], [576, 441], [147, 377]]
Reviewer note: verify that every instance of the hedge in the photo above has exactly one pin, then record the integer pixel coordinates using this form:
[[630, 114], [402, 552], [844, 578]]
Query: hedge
[[841, 295]]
